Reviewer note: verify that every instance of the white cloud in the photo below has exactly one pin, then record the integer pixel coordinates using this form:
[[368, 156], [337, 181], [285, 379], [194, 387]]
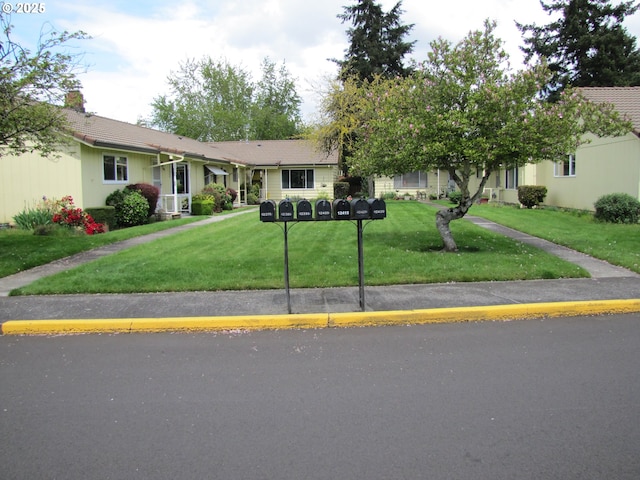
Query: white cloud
[[136, 45]]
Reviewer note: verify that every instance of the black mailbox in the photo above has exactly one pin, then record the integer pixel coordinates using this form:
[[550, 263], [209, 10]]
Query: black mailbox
[[268, 211], [360, 209], [285, 210], [378, 208], [341, 210], [304, 210], [323, 210]]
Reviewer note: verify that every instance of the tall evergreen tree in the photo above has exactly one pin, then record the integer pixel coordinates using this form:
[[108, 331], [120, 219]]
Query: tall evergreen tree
[[377, 41], [377, 49], [587, 46]]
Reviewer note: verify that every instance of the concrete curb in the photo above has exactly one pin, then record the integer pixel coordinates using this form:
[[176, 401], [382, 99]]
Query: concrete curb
[[321, 320]]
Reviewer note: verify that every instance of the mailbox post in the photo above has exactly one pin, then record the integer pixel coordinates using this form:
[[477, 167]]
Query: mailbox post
[[358, 210]]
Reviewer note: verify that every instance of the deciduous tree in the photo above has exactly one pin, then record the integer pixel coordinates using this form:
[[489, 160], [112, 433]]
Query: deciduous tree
[[216, 101], [464, 112], [33, 85]]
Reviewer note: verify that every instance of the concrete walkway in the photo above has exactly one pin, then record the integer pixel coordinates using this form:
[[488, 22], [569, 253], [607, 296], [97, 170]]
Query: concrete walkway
[[608, 284]]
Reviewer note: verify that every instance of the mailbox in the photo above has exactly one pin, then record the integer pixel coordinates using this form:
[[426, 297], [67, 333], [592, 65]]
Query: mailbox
[[323, 210], [268, 211], [304, 210], [378, 208], [285, 210], [341, 210], [360, 209]]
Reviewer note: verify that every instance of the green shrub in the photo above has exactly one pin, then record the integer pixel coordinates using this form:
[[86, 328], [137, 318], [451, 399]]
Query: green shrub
[[340, 189], [617, 208], [252, 199], [105, 215], [202, 206], [455, 197], [531, 195], [219, 194], [133, 211], [148, 191], [115, 198]]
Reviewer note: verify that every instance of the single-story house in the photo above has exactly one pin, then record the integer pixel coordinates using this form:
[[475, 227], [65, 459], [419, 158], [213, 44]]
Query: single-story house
[[286, 168], [105, 155]]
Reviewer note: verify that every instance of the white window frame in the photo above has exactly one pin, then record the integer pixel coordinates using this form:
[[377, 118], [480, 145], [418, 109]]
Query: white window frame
[[309, 178], [565, 168], [399, 181], [120, 164]]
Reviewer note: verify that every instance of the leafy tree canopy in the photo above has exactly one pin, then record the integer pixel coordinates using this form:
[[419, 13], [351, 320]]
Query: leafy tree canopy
[[587, 46], [213, 100], [32, 85], [462, 111]]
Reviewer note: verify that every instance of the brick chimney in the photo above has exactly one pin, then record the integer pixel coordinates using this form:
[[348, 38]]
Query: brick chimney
[[75, 101]]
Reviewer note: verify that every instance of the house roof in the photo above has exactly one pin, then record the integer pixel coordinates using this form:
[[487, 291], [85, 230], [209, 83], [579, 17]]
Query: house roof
[[266, 153], [105, 132], [625, 99]]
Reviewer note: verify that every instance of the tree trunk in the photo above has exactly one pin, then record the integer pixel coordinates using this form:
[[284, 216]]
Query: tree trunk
[[443, 219]]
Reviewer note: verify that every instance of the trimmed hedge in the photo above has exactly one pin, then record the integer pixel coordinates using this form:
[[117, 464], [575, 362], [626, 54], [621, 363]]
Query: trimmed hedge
[[105, 215], [531, 195], [203, 206]]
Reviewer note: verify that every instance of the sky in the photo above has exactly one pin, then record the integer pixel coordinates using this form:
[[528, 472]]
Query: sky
[[137, 44]]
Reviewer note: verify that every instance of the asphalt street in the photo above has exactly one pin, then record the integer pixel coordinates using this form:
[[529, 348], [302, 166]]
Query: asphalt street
[[535, 399]]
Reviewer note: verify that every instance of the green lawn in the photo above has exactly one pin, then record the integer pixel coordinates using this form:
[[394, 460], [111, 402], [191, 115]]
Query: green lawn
[[615, 243], [243, 253], [21, 249]]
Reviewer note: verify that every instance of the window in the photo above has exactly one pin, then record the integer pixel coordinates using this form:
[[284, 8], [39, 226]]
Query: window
[[297, 178], [115, 169], [410, 180], [511, 178], [566, 168]]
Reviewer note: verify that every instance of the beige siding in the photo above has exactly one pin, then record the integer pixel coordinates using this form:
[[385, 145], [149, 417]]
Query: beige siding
[[323, 183], [25, 179], [609, 165], [96, 189]]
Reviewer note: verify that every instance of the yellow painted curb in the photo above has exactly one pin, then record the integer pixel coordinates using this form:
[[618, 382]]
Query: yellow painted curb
[[321, 320], [495, 312], [176, 324]]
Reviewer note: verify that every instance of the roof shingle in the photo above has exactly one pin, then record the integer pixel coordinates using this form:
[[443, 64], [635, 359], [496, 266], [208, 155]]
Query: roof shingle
[[625, 99]]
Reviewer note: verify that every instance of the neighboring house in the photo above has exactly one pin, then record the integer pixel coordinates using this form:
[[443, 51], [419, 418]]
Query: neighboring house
[[603, 166], [606, 165], [286, 168]]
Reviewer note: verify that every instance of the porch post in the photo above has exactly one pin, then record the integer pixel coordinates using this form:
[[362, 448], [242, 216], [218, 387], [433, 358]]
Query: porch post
[[174, 169]]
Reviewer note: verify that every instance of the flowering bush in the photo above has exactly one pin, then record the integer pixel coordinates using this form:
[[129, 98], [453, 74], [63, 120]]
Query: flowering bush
[[68, 215]]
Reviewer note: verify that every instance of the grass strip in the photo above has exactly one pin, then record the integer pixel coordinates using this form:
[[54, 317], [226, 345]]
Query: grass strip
[[615, 243]]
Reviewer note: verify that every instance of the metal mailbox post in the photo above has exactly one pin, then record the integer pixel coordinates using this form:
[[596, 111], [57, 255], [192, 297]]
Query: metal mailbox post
[[358, 210]]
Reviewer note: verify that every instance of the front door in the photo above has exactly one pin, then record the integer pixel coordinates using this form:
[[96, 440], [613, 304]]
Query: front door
[[182, 186]]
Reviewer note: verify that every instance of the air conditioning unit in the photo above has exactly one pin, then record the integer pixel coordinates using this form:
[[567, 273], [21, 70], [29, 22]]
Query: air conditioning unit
[[493, 193]]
